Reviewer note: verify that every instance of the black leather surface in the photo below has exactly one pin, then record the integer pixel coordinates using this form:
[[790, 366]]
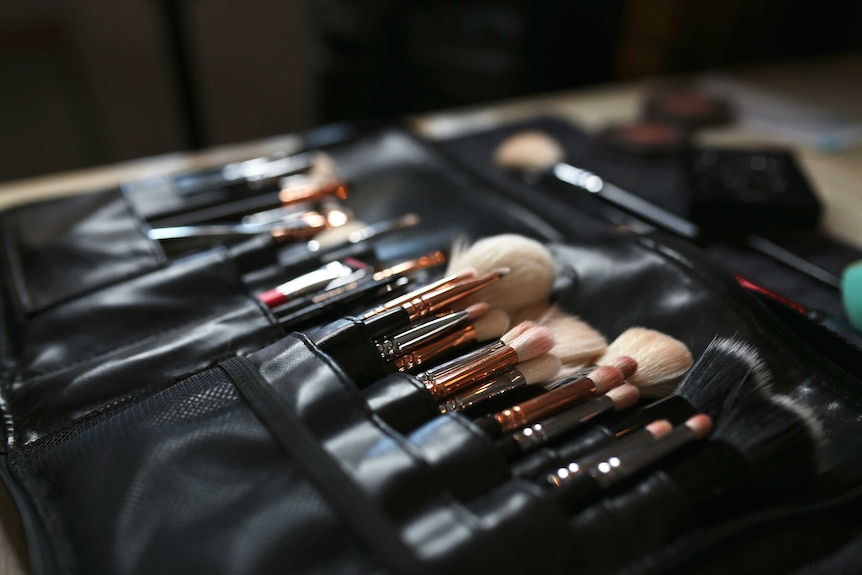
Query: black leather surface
[[59, 249], [130, 472]]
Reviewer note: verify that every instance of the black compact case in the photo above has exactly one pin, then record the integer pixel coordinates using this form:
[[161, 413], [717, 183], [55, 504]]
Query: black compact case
[[158, 419]]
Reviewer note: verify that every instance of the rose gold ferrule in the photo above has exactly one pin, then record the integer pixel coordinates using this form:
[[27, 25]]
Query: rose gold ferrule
[[435, 259], [446, 296], [311, 224], [538, 408], [313, 192], [435, 348], [453, 380], [397, 302]]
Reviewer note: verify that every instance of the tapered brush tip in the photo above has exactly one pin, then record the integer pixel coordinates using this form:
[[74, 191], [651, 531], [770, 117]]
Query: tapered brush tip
[[700, 424], [624, 396], [540, 370], [477, 310], [606, 377], [492, 325], [531, 269], [528, 150], [661, 359], [627, 365], [532, 343], [658, 428]]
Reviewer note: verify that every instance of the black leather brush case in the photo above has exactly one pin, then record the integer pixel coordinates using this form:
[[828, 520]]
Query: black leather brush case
[[159, 420]]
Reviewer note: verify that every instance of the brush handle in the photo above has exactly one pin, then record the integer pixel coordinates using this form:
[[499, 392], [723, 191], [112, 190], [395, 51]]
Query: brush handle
[[507, 382], [673, 408], [533, 437], [545, 459]]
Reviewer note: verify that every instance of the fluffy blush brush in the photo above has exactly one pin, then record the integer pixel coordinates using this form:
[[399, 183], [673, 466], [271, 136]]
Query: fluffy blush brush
[[662, 360], [531, 274], [576, 342]]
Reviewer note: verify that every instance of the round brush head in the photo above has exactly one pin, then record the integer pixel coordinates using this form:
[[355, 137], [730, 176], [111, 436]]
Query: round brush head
[[531, 269], [530, 150], [540, 370], [577, 343], [532, 343], [517, 330], [661, 359]]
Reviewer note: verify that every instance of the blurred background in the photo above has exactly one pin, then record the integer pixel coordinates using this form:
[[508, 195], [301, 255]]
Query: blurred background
[[88, 82]]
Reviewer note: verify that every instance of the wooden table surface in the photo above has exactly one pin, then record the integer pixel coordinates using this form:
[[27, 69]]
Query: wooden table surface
[[834, 83]]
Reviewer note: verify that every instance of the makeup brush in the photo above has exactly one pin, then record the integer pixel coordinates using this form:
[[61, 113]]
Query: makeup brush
[[538, 153], [533, 372], [761, 450], [448, 379], [531, 269], [728, 368], [432, 346], [579, 482], [338, 243], [410, 309], [662, 360], [533, 437], [316, 308], [572, 392], [179, 238], [576, 341]]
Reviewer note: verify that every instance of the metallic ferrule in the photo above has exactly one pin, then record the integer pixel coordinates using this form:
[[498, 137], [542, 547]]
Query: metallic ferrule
[[507, 382], [455, 379], [538, 408]]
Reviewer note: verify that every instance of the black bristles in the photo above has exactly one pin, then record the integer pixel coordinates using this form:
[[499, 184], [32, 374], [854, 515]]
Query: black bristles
[[727, 370], [777, 437]]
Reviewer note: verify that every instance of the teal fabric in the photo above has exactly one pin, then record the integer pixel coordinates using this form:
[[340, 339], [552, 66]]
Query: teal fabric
[[851, 293]]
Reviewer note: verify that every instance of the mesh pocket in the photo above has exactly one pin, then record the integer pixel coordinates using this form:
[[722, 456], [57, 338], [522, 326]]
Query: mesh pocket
[[185, 481]]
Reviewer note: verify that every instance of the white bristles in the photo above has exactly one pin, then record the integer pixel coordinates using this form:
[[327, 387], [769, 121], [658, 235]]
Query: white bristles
[[334, 236], [541, 369], [323, 167], [532, 343], [531, 269], [661, 359], [477, 310], [517, 330], [528, 150], [492, 325], [576, 342]]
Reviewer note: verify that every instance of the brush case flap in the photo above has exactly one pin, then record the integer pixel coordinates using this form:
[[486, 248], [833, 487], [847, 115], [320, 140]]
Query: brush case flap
[[58, 249], [166, 423], [107, 346]]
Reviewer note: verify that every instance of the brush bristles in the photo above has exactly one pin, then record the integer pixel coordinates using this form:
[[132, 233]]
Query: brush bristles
[[576, 340], [532, 343], [723, 376], [528, 150], [531, 269], [540, 370], [778, 438], [492, 325], [335, 236], [661, 359]]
